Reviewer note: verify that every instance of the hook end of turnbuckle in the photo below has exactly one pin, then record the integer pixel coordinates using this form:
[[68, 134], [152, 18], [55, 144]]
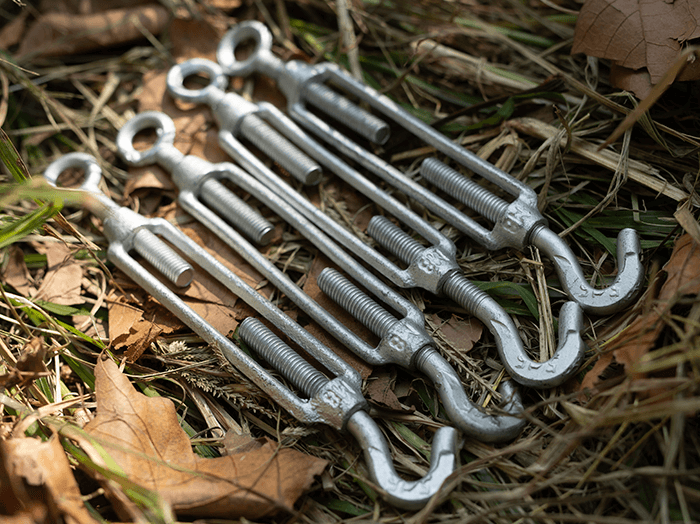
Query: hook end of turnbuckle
[[565, 362], [463, 413], [402, 493], [618, 295]]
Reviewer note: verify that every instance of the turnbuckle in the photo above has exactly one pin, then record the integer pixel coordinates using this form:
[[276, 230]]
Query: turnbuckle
[[337, 402], [434, 269], [516, 224], [403, 340]]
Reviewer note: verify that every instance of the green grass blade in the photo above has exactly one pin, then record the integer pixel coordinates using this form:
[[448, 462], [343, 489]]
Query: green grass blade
[[414, 440], [10, 157], [347, 507], [18, 229], [510, 289]]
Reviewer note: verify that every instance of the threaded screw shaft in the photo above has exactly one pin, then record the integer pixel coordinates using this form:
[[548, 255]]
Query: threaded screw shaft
[[281, 357], [394, 239], [463, 189], [281, 150], [460, 289], [356, 302], [163, 257], [243, 216], [353, 116]]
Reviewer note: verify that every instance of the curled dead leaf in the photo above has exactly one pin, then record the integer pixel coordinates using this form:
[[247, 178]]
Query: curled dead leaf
[[683, 270], [36, 479], [641, 38], [143, 436], [29, 366], [380, 390]]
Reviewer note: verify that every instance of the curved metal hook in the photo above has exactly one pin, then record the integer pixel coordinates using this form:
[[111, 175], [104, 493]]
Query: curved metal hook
[[566, 359], [463, 413], [618, 295], [397, 491]]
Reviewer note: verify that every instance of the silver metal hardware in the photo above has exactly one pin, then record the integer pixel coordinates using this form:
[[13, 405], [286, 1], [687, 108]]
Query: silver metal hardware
[[520, 225], [337, 402], [465, 415]]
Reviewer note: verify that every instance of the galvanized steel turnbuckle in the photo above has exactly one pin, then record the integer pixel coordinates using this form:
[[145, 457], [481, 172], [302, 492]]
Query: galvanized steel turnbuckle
[[516, 224], [404, 340], [433, 268], [337, 402]]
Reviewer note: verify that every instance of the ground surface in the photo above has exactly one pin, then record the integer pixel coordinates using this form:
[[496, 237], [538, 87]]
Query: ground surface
[[616, 443]]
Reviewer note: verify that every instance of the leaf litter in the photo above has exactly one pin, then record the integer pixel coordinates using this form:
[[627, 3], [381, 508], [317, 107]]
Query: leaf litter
[[143, 436], [625, 451]]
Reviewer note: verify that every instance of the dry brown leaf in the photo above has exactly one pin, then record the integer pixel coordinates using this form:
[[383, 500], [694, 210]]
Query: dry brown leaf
[[683, 270], [63, 279], [29, 366], [381, 391], [16, 273], [149, 180], [59, 34], [461, 334], [39, 477], [143, 436], [641, 38], [128, 329], [197, 38]]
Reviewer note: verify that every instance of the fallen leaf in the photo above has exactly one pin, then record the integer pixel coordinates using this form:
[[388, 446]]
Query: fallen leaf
[[16, 273], [29, 366], [197, 38], [641, 38], [143, 436], [59, 34], [380, 391], [38, 474], [460, 334], [683, 270], [129, 329], [64, 275], [149, 180]]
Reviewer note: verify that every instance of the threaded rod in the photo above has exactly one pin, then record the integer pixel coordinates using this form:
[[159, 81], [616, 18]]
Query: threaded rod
[[463, 189], [281, 357], [355, 302], [394, 239]]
